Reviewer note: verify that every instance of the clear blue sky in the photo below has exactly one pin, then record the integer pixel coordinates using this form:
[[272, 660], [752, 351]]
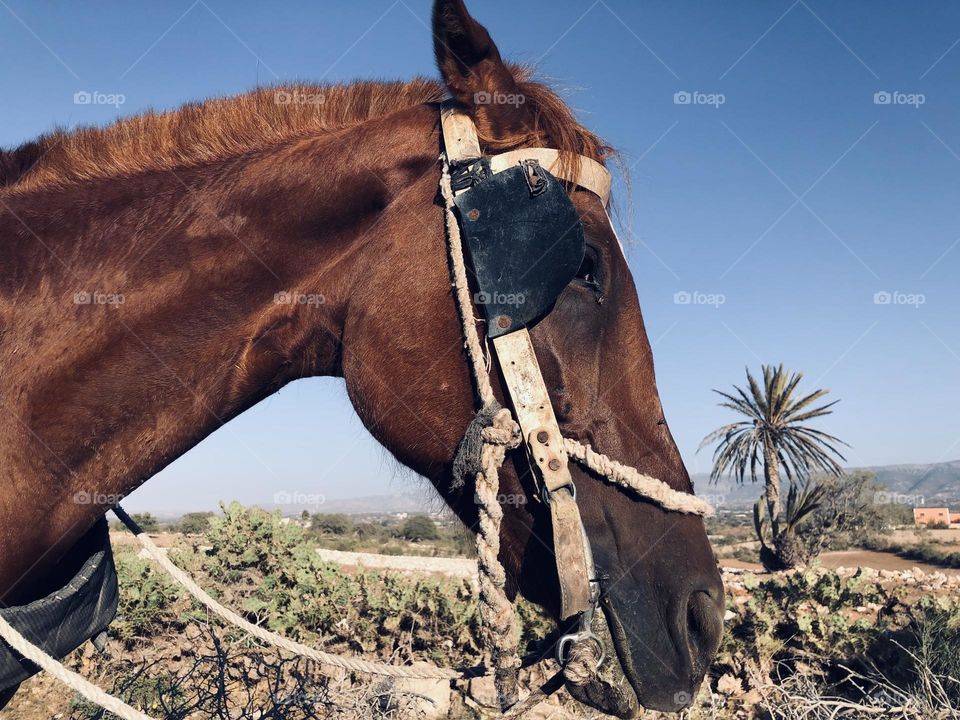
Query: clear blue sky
[[783, 186]]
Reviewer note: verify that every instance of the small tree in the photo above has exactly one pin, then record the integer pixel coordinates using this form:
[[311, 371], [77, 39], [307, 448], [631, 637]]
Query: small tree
[[848, 512], [194, 523], [332, 524], [147, 522], [788, 549], [419, 527], [367, 530]]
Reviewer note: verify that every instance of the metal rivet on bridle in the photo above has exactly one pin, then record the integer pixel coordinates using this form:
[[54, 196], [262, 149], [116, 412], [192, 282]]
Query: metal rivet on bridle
[[554, 465], [503, 322], [473, 214], [542, 437]]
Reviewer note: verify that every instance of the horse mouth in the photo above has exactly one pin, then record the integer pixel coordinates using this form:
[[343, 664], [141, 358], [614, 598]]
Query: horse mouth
[[615, 690], [621, 647], [619, 688]]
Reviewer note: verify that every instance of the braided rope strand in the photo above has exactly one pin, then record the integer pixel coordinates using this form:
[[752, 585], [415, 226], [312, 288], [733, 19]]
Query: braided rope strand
[[496, 611], [338, 661], [69, 678], [647, 486], [461, 292]]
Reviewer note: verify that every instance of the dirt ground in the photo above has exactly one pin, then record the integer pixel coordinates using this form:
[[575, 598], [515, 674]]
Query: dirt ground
[[42, 698], [854, 559]]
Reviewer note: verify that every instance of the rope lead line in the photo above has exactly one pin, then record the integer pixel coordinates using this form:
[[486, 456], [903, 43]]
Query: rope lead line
[[69, 678], [329, 659], [496, 610]]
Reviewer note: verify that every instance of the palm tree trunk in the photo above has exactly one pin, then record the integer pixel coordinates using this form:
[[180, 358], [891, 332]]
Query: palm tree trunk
[[789, 550], [771, 475]]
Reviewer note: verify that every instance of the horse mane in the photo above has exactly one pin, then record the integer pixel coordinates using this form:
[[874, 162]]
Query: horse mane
[[220, 128]]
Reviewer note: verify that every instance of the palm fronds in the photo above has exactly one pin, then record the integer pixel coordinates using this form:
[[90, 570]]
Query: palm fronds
[[774, 415]]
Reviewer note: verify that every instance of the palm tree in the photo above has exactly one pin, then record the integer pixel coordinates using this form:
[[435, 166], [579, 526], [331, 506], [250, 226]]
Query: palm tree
[[788, 551], [775, 432]]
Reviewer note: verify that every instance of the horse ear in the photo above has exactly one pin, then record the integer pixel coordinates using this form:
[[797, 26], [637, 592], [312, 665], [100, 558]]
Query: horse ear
[[474, 72]]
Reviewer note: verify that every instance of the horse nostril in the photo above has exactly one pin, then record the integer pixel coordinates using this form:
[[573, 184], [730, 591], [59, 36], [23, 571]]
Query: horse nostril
[[704, 627]]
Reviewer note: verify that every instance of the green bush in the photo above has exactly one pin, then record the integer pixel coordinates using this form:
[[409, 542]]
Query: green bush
[[418, 528], [147, 522], [937, 634], [272, 571], [193, 523], [332, 524], [148, 598]]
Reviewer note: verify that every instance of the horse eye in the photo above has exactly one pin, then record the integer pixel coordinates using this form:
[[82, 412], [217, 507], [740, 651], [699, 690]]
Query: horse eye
[[587, 273]]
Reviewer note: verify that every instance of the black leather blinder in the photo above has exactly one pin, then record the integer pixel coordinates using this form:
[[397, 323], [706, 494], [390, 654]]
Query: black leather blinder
[[524, 237]]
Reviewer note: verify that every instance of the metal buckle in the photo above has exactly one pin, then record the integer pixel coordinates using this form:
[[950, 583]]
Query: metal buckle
[[467, 173], [545, 491], [532, 173], [585, 632], [578, 637]]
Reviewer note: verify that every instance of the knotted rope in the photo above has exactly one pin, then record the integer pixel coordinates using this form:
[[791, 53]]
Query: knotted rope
[[495, 606], [496, 610]]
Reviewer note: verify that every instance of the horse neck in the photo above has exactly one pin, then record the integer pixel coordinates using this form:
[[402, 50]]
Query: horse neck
[[169, 303]]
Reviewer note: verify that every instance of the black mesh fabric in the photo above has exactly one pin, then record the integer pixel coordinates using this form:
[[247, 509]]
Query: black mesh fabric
[[63, 620]]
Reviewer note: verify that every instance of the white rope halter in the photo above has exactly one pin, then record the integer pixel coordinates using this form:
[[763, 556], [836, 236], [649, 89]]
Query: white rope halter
[[518, 364]]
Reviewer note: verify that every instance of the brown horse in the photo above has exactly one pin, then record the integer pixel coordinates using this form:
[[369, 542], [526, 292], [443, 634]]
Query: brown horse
[[162, 275]]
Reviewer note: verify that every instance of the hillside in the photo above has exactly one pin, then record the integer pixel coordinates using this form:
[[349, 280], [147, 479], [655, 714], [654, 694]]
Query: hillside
[[923, 484], [920, 484]]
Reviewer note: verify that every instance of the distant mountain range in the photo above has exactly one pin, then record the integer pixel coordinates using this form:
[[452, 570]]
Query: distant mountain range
[[930, 484], [938, 484], [422, 501], [922, 484]]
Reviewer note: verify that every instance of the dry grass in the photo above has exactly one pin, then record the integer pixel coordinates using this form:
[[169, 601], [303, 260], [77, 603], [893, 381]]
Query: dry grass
[[932, 696]]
